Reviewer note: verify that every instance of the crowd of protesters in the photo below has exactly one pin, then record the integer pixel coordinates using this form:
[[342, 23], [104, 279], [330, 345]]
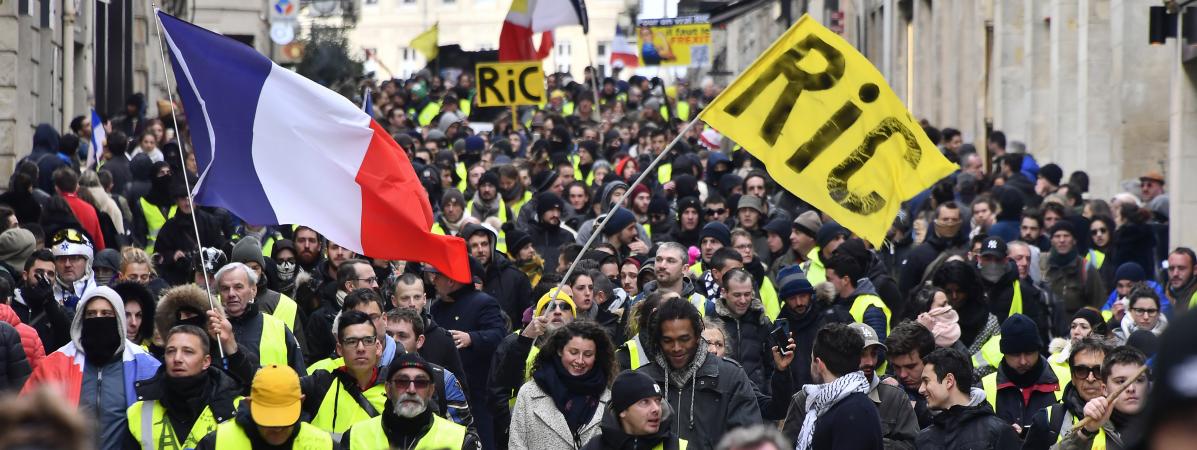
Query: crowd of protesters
[[715, 310]]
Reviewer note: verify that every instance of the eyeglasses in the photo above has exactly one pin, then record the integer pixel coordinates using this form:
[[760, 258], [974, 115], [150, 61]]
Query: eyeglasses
[[1082, 372], [1145, 311], [1099, 231], [418, 383], [558, 305], [353, 342], [371, 280]]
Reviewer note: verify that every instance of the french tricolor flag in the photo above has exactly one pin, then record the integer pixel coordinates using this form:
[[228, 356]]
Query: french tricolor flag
[[276, 148]]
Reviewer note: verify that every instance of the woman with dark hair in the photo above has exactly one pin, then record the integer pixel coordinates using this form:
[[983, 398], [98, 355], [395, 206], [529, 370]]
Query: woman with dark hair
[[570, 390], [1134, 241], [1101, 248], [961, 282], [1143, 313]]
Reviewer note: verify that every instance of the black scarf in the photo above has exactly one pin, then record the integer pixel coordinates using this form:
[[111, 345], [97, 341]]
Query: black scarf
[[1024, 380], [577, 397], [1062, 259], [184, 400], [973, 318]]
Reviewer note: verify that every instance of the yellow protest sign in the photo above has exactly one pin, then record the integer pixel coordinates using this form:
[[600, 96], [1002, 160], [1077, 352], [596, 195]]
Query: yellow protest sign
[[829, 129], [509, 83], [675, 41]]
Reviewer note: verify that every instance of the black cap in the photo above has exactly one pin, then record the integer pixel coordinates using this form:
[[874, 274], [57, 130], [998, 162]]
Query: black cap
[[630, 387], [408, 360], [994, 246]]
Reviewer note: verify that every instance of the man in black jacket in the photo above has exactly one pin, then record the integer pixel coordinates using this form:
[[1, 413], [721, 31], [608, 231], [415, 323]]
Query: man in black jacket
[[636, 418], [547, 231], [476, 323], [502, 280], [837, 414], [176, 239], [1007, 293], [1050, 424], [35, 305], [946, 236], [744, 319], [438, 345], [961, 423]]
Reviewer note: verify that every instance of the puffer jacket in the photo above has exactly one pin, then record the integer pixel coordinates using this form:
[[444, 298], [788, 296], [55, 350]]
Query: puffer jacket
[[34, 351], [536, 423], [14, 369], [717, 398], [748, 341], [971, 427]]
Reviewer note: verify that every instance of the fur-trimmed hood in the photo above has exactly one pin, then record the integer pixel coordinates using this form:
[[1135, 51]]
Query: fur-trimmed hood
[[187, 296]]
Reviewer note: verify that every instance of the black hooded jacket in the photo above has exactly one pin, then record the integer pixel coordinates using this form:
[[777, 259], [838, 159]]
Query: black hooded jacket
[[924, 254], [45, 155], [971, 427], [614, 438], [503, 281]]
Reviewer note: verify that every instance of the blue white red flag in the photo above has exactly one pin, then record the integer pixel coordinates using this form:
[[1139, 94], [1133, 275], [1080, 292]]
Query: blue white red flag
[[274, 148]]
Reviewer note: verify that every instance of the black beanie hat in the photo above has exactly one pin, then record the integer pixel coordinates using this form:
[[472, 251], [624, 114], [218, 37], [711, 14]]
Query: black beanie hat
[[1052, 173], [620, 219], [546, 201], [544, 180], [630, 387], [828, 232], [489, 177], [1094, 318], [1019, 335], [516, 239], [716, 230]]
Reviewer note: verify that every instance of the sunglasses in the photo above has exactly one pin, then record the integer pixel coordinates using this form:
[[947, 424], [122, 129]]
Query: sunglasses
[[1083, 372], [558, 305], [418, 383], [712, 212]]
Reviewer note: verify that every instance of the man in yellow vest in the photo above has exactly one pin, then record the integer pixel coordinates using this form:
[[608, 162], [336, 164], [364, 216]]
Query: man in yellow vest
[[1051, 424], [827, 239], [1182, 280], [637, 414], [408, 420], [269, 417], [1007, 293], [1120, 367], [187, 398], [513, 358], [249, 252], [856, 293], [1024, 382], [257, 333]]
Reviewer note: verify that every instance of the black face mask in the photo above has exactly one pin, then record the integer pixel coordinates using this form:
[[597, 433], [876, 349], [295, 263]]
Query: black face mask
[[100, 338]]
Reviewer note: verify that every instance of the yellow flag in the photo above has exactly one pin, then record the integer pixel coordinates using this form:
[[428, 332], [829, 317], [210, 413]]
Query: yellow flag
[[829, 129], [426, 43]]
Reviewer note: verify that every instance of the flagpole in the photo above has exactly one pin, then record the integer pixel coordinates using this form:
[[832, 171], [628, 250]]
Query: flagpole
[[190, 197], [598, 227], [595, 115]]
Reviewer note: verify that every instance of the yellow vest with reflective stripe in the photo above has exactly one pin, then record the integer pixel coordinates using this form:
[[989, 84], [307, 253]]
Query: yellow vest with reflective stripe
[[463, 177], [444, 434], [516, 205], [989, 385], [1016, 302], [502, 209], [683, 111], [153, 222], [230, 436], [272, 347], [430, 110], [681, 445], [339, 411], [815, 272], [863, 302], [464, 105], [1099, 441], [527, 372], [990, 353], [769, 298], [636, 356], [664, 172], [152, 429], [285, 311], [1095, 258], [696, 268]]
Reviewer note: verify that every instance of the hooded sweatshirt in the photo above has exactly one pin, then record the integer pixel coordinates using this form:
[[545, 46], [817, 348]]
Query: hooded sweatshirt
[[107, 389]]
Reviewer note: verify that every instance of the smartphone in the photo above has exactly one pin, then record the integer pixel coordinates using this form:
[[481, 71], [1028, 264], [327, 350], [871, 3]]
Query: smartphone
[[781, 335]]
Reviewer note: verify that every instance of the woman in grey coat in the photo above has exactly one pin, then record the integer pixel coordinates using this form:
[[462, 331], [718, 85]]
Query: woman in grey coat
[[562, 406]]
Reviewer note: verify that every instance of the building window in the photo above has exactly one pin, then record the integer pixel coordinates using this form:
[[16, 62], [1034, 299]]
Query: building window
[[563, 68], [563, 49], [449, 2], [409, 2], [371, 2], [602, 49]]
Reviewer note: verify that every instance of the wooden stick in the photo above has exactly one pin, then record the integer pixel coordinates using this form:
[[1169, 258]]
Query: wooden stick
[[1087, 420]]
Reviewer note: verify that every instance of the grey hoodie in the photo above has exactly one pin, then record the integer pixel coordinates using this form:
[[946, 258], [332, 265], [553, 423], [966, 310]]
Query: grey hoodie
[[118, 305]]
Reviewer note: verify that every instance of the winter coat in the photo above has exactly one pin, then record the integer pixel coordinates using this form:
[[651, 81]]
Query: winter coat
[[536, 423], [1075, 284], [24, 204], [508, 371], [1135, 242], [968, 427], [14, 367], [885, 285], [547, 240], [924, 254], [30, 342], [178, 233], [220, 396], [1128, 326], [1017, 405], [748, 341], [248, 331], [873, 316], [503, 281], [82, 384], [1043, 433], [477, 314], [803, 330], [1180, 298], [47, 316], [718, 398], [612, 437], [899, 425], [268, 299], [1000, 296], [45, 155], [1166, 307], [439, 349]]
